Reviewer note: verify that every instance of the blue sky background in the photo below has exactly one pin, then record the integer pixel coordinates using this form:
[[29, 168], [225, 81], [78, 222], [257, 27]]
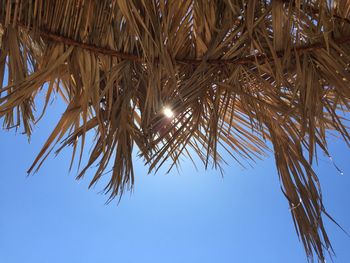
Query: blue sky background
[[186, 216]]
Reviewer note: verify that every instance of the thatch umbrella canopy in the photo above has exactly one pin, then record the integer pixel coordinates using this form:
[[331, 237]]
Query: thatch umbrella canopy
[[174, 78]]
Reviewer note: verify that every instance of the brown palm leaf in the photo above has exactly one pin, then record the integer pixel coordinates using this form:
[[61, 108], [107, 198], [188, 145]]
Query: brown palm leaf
[[236, 76]]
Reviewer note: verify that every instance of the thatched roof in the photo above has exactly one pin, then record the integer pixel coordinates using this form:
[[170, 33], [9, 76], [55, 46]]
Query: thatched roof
[[236, 75]]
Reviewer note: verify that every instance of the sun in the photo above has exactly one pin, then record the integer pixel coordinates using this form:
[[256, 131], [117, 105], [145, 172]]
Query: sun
[[168, 112]]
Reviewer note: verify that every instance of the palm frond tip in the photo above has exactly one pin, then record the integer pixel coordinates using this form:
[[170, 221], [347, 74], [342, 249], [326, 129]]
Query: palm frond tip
[[236, 75]]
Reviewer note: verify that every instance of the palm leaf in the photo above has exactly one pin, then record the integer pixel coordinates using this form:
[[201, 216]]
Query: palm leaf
[[238, 75]]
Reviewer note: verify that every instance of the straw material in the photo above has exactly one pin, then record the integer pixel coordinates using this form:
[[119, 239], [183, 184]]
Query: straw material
[[238, 76]]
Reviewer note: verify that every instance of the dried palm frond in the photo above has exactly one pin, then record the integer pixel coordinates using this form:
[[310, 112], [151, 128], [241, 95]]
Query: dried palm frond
[[236, 75]]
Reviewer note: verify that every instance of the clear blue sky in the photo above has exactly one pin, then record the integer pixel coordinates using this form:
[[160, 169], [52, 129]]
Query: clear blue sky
[[185, 217]]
